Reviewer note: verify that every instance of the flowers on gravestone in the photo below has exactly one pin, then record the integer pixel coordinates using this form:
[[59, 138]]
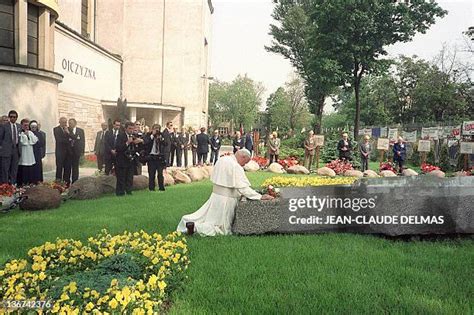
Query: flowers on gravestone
[[427, 168], [271, 190]]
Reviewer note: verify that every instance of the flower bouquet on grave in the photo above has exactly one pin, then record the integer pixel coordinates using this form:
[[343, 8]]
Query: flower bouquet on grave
[[271, 190]]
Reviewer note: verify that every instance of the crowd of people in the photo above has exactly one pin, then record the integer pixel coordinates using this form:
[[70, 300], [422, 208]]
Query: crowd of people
[[126, 148], [345, 148], [22, 148]]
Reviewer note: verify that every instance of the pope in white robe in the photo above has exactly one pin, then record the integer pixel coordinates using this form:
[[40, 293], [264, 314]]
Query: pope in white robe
[[229, 184]]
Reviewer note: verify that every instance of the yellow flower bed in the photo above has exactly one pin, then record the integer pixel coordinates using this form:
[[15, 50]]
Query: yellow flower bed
[[307, 181], [164, 261]]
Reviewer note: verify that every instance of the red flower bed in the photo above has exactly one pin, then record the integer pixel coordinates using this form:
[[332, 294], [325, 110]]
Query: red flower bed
[[288, 162], [91, 157], [7, 190], [426, 168], [387, 166], [261, 161], [340, 166]]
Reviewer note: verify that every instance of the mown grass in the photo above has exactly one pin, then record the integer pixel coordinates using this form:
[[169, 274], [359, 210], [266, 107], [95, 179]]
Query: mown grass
[[302, 274]]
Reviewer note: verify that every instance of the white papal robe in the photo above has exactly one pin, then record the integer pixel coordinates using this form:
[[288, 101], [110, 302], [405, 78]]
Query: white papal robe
[[216, 215]]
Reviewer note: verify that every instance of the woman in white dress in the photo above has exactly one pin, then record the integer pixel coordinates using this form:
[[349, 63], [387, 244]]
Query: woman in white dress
[[27, 157], [229, 184]]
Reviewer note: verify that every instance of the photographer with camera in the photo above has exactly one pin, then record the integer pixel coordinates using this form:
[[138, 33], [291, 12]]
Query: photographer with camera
[[156, 161], [126, 159], [138, 134]]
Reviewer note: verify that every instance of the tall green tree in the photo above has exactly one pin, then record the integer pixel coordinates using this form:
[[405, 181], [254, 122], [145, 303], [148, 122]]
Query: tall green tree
[[292, 34], [236, 102], [355, 34], [287, 107]]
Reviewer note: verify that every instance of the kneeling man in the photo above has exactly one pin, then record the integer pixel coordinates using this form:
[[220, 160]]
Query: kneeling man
[[229, 184]]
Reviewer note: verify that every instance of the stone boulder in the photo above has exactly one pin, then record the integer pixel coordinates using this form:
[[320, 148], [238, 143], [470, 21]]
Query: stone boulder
[[140, 182], [85, 188], [251, 166], [353, 173], [409, 172], [437, 173], [181, 178], [40, 198], [297, 169], [206, 172], [169, 180], [195, 173], [209, 169], [387, 173], [461, 174], [108, 183], [276, 168], [326, 171], [371, 174]]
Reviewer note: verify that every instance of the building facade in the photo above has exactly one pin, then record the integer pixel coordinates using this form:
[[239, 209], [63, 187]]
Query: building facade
[[76, 58]]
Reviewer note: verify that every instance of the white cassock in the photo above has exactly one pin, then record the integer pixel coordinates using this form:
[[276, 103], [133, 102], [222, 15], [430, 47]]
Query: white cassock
[[216, 215]]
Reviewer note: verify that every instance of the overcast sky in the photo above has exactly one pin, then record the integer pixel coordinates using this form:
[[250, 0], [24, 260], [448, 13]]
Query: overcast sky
[[240, 32]]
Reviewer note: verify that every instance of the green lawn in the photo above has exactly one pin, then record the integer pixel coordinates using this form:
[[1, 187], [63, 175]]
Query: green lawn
[[331, 273]]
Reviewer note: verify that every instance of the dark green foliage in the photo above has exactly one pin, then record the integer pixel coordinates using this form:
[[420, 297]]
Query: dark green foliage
[[125, 268], [444, 162]]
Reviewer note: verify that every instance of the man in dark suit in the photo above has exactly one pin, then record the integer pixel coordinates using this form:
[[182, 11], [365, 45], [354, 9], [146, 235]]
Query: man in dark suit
[[126, 159], [202, 146], [194, 146], [249, 142], [78, 144], [9, 149], [99, 147], [215, 147], [179, 147], [43, 148], [186, 143], [167, 142], [63, 150], [109, 146], [174, 145]]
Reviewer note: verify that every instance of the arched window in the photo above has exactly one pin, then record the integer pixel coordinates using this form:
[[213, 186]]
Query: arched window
[[7, 27]]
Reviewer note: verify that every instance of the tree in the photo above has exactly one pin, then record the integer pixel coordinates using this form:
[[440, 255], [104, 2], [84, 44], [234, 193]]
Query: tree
[[278, 108], [218, 99], [287, 107], [291, 39], [236, 102], [416, 91], [355, 33]]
